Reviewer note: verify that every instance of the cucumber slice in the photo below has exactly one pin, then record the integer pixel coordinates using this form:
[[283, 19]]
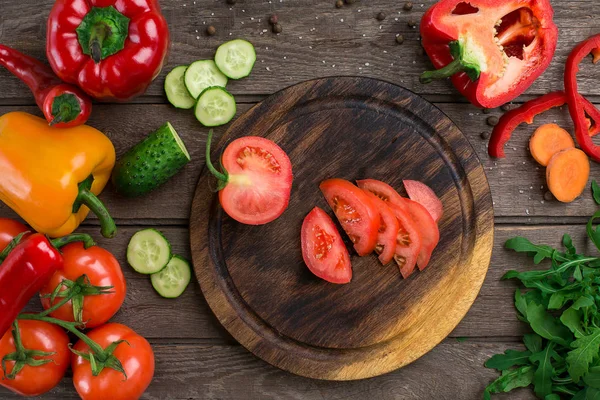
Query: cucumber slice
[[150, 163], [215, 106], [202, 74], [173, 279], [148, 251], [236, 58], [175, 89]]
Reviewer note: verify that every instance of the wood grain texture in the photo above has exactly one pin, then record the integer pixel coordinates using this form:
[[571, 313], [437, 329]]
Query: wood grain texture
[[270, 302], [453, 371]]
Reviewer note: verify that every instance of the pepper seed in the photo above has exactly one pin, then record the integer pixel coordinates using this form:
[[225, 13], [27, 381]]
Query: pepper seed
[[380, 16], [277, 28], [492, 120], [408, 6], [211, 30]]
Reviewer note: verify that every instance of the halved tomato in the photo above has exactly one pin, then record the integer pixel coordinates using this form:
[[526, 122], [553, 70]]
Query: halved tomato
[[323, 250], [408, 242], [430, 233], [426, 226], [356, 212], [424, 195], [258, 180], [388, 231]]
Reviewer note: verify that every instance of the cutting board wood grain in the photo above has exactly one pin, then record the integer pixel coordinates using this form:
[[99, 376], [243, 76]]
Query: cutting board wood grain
[[254, 279]]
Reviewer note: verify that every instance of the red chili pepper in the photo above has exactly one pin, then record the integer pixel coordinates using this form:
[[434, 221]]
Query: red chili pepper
[[63, 105], [528, 111], [493, 49], [112, 49], [26, 268], [576, 106]]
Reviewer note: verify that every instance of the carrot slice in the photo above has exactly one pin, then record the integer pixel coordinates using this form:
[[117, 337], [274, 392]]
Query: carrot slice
[[548, 140], [567, 174]]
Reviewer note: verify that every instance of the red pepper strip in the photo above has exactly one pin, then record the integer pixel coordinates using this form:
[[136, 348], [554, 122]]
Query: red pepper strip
[[63, 105], [27, 268], [528, 111], [576, 106]]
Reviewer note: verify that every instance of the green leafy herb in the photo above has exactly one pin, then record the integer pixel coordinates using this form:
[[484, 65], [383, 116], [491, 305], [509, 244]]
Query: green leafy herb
[[546, 325], [594, 234], [585, 349], [522, 245], [544, 373], [509, 359], [512, 379], [533, 342], [596, 192], [592, 378]]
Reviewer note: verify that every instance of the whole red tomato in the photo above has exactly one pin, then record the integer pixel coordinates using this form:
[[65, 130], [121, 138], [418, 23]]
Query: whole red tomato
[[102, 269], [9, 228], [135, 355], [42, 336]]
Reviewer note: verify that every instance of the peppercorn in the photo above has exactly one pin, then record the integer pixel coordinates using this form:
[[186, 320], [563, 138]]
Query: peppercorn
[[399, 39], [412, 23], [339, 3], [277, 28], [508, 106], [231, 1], [211, 30], [492, 120], [548, 196], [486, 111], [380, 16], [420, 51], [273, 19], [485, 135], [408, 6]]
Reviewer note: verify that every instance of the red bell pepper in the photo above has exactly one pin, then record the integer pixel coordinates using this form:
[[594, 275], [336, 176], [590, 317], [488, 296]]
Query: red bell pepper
[[112, 49], [63, 105], [528, 111], [27, 265], [577, 107], [493, 49]]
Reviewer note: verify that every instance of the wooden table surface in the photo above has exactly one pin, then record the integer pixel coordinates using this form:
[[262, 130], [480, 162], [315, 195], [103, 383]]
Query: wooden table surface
[[195, 357]]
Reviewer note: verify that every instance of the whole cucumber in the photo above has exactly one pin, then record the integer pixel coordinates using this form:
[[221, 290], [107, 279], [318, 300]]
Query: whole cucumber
[[150, 163]]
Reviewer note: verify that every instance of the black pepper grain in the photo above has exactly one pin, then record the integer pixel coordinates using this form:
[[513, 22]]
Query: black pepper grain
[[380, 16], [492, 120], [339, 3], [485, 135], [548, 196], [408, 6], [399, 39], [508, 107], [277, 28], [412, 23], [486, 110], [211, 30], [273, 19]]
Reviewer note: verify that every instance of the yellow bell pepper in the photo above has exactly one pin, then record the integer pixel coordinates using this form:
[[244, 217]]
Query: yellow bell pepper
[[51, 176]]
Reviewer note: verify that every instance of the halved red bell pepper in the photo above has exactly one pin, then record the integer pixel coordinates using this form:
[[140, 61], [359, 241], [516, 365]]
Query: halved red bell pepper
[[576, 105], [493, 49], [112, 49]]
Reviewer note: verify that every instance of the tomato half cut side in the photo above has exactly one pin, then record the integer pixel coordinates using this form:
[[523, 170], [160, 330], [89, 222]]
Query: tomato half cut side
[[323, 249], [424, 195], [408, 242], [430, 233], [355, 211], [259, 181], [388, 231]]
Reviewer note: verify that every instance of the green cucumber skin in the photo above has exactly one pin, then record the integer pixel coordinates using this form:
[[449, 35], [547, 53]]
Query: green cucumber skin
[[148, 164]]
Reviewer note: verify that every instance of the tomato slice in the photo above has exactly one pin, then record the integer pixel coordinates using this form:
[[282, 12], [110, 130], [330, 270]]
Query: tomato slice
[[356, 212], [323, 250], [408, 242], [259, 180], [424, 195], [427, 228], [388, 231]]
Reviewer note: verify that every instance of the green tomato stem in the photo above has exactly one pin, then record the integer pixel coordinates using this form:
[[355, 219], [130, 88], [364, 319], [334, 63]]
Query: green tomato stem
[[219, 175]]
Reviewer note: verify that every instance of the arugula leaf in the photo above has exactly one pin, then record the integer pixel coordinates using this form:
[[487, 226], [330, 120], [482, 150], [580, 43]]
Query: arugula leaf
[[592, 378], [533, 342], [546, 325], [487, 395], [512, 379], [521, 304], [557, 301], [588, 393], [568, 243], [571, 318], [596, 192], [583, 301], [544, 373], [594, 234], [523, 245], [585, 350], [552, 396], [509, 359]]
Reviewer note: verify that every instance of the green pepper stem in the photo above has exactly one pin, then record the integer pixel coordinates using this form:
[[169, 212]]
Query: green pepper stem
[[99, 32], [89, 199], [449, 70], [69, 326], [75, 237], [219, 175]]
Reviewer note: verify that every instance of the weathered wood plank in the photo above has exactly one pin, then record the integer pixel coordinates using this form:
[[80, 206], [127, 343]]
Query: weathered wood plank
[[189, 317], [517, 182], [452, 370], [318, 40]]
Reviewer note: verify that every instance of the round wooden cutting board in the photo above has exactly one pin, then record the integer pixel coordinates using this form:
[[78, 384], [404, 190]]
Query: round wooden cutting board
[[254, 279]]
